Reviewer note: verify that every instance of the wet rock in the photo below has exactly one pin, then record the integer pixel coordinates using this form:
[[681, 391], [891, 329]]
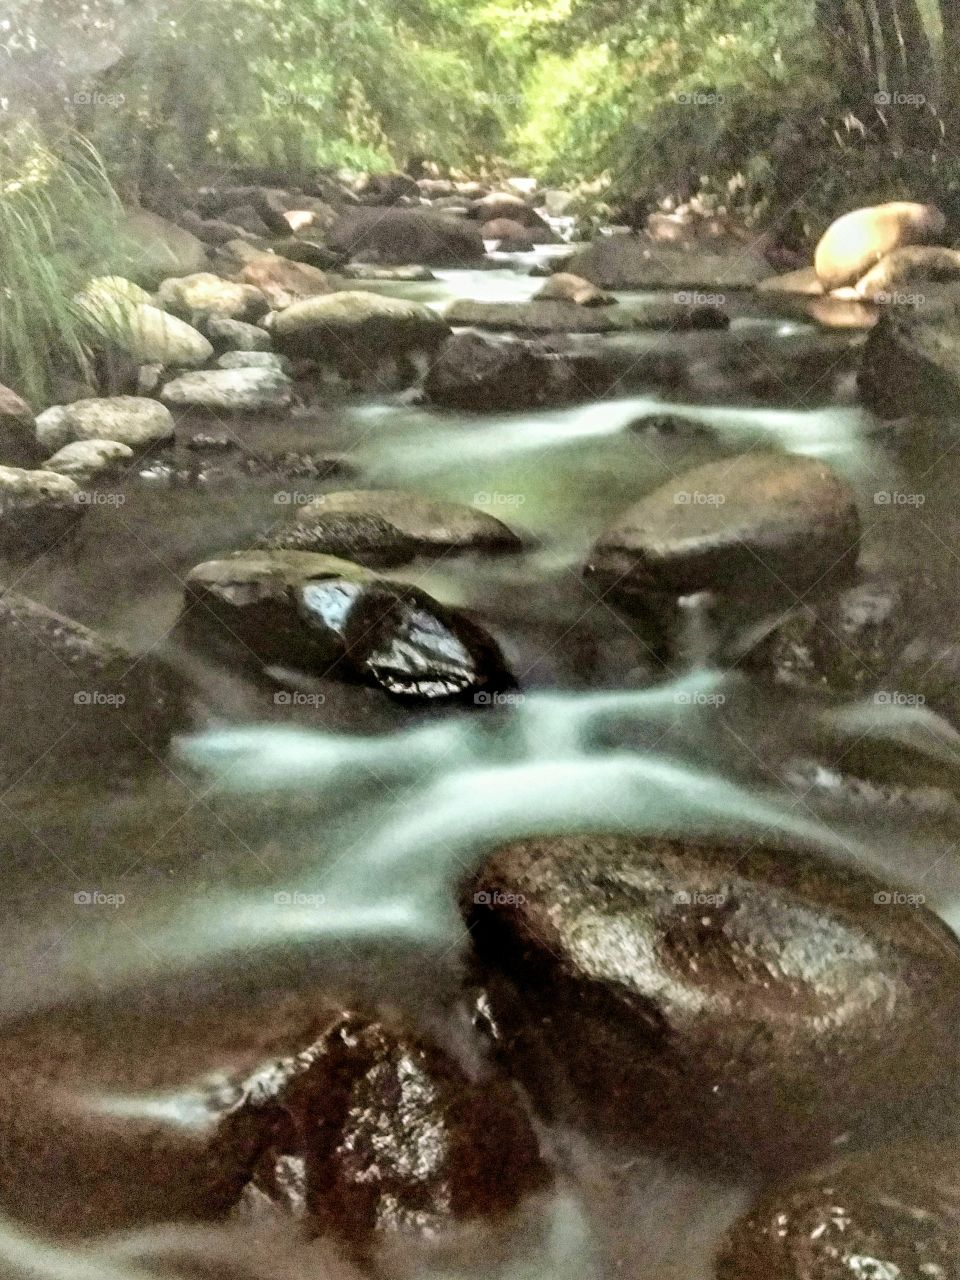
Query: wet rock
[[888, 281], [561, 317], [255, 360], [890, 1215], [71, 698], [247, 218], [628, 262], [283, 281], [911, 361], [565, 287], [671, 426], [207, 294], [368, 271], [740, 1005], [131, 420], [357, 331], [153, 248], [375, 1133], [231, 391], [299, 248], [18, 442], [401, 236], [385, 188], [502, 206], [85, 459], [37, 508], [205, 442], [473, 371], [857, 241], [235, 335], [382, 527], [330, 617], [757, 524], [511, 237], [212, 231]]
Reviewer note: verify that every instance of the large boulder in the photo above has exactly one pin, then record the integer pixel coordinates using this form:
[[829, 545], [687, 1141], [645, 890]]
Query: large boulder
[[135, 421], [406, 236], [911, 361], [207, 294], [144, 332], [739, 1004], [503, 206], [757, 524], [331, 618], [152, 248], [383, 527], [18, 441], [891, 1214], [231, 391], [356, 330], [893, 275], [629, 262], [854, 243]]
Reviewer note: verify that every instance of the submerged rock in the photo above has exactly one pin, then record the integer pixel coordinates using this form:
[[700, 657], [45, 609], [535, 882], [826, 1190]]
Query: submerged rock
[[37, 508], [376, 1133], [560, 317], [85, 459], [755, 524], [738, 1004], [890, 1215], [628, 262], [381, 527], [855, 242], [18, 442], [404, 236], [333, 618], [911, 361], [231, 391]]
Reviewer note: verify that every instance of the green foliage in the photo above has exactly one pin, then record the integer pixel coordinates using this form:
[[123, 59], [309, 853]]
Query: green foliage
[[58, 218]]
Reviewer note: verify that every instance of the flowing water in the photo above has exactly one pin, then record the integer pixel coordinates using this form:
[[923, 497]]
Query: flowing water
[[336, 831]]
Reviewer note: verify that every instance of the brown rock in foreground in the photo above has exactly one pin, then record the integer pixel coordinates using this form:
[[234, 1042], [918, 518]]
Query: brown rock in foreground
[[738, 1005], [891, 1215]]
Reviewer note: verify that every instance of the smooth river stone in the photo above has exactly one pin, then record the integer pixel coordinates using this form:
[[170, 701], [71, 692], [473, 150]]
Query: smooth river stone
[[758, 523], [891, 1215], [737, 1005]]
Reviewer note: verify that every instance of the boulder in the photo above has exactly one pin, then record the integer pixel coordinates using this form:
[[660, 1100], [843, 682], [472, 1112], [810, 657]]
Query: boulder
[[513, 237], [85, 459], [144, 332], [918, 264], [230, 391], [507, 207], [890, 1214], [741, 1005], [134, 421], [18, 441], [911, 361], [37, 509], [543, 317], [401, 236], [565, 287], [385, 188], [391, 1136], [247, 218], [356, 329], [235, 335], [382, 527], [301, 248], [756, 524], [151, 249], [207, 294], [282, 281], [629, 262], [212, 231], [857, 241], [332, 618]]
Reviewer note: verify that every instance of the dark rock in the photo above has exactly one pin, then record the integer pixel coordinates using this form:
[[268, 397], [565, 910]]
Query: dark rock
[[234, 335], [758, 524], [911, 361], [330, 617], [741, 1005], [564, 287], [885, 1216], [513, 237], [213, 231], [403, 236], [375, 1133], [385, 188], [500, 206], [247, 218], [18, 441], [670, 425], [302, 249], [554, 316], [629, 262], [380, 527], [74, 700]]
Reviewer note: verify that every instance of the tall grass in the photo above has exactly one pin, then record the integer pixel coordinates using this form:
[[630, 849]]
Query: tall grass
[[59, 218]]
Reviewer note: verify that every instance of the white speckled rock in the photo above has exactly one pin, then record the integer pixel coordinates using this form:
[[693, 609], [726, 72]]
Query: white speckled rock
[[130, 420], [231, 391], [85, 459]]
